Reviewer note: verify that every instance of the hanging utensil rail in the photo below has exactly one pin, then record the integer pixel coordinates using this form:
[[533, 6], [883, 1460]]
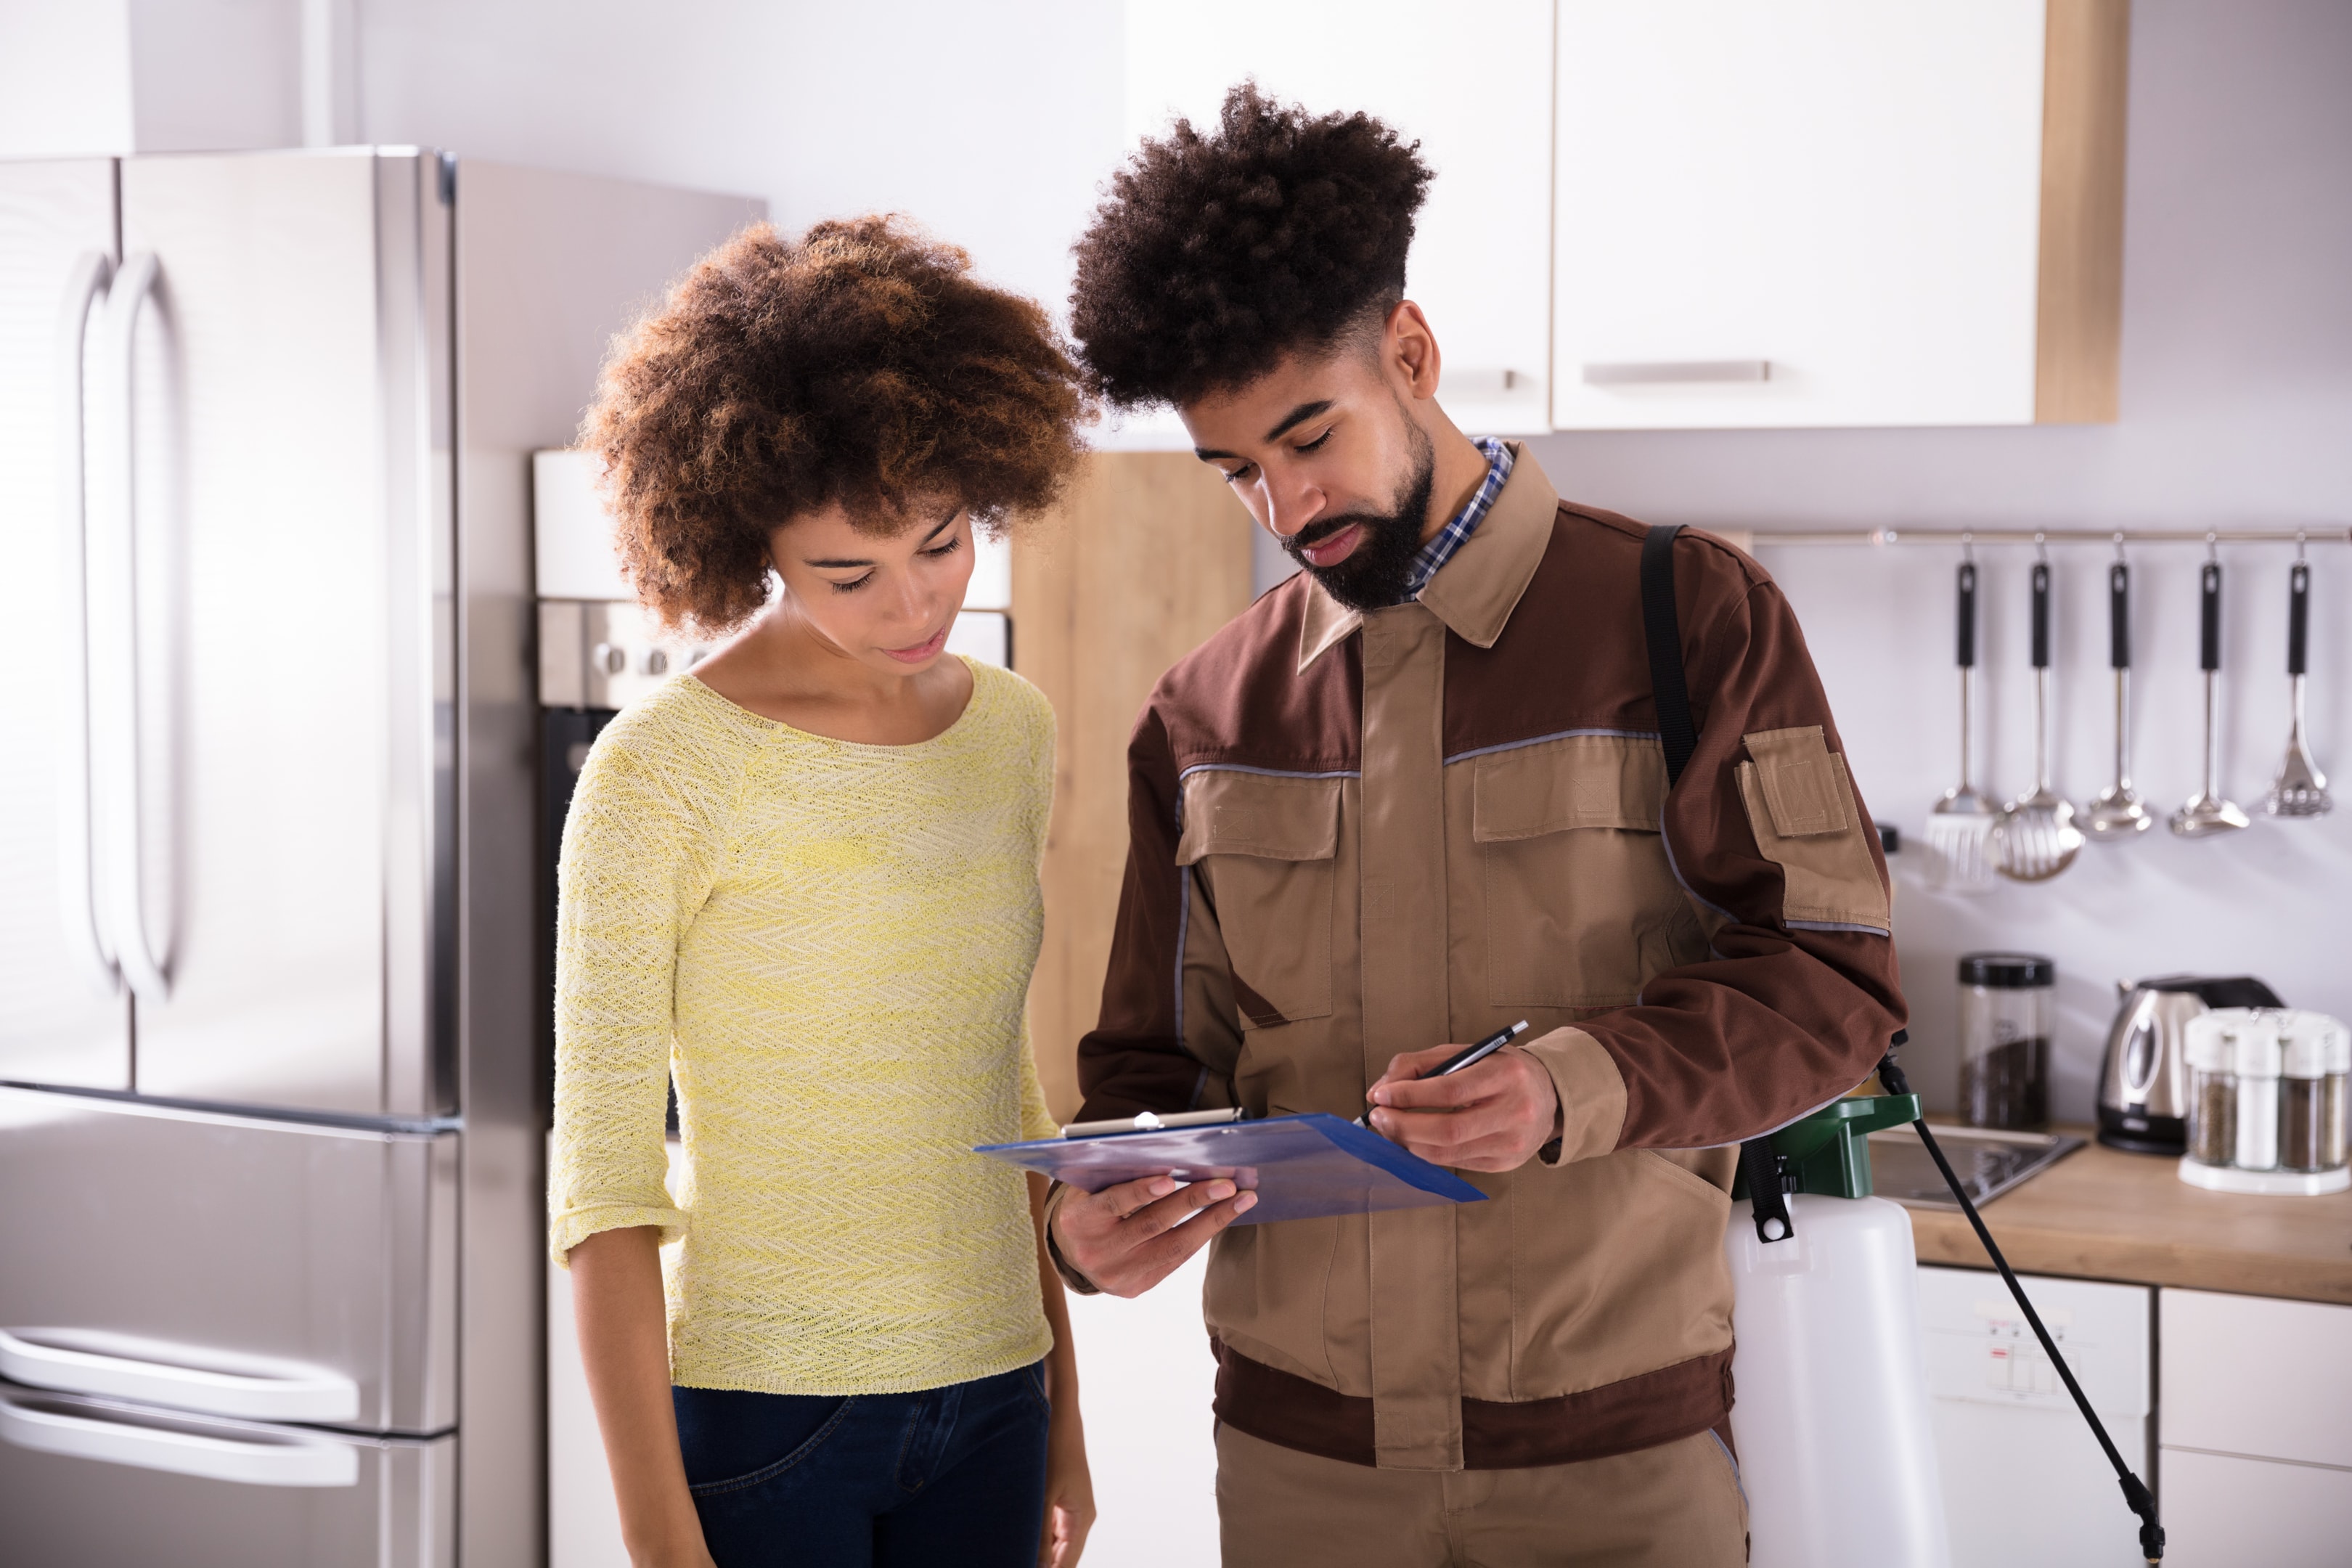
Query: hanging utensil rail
[[2053, 536]]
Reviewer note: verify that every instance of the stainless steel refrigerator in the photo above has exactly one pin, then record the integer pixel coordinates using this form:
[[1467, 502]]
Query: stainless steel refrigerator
[[272, 1002]]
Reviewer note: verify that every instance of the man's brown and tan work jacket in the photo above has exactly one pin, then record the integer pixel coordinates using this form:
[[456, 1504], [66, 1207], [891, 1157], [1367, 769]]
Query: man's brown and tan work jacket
[[1356, 835]]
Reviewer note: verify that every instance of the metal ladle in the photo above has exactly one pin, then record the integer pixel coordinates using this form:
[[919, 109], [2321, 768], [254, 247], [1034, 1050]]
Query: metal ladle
[[2206, 814], [2116, 812], [2036, 837]]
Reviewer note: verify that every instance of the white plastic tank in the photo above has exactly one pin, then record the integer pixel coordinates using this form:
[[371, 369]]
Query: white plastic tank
[[1831, 1413]]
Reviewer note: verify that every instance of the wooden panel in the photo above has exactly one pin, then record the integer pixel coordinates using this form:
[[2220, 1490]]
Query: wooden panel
[[2101, 1214], [2079, 330], [1149, 555]]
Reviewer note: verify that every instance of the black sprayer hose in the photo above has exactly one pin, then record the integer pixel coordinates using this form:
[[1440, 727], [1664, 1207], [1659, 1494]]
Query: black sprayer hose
[[2135, 1493]]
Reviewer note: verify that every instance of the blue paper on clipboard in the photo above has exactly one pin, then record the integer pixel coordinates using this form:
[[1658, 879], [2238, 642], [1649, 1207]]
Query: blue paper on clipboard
[[1301, 1167]]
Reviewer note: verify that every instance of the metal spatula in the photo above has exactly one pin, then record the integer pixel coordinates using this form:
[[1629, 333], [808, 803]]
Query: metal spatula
[[2205, 814], [2302, 788], [2036, 837]]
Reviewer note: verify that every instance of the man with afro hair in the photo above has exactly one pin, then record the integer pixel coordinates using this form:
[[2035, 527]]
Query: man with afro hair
[[1418, 791]]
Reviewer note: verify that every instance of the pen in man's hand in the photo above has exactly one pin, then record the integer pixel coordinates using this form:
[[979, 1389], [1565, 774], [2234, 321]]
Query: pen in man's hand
[[1470, 1056]]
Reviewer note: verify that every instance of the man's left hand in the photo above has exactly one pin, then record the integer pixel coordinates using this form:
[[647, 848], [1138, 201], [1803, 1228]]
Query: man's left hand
[[1490, 1117]]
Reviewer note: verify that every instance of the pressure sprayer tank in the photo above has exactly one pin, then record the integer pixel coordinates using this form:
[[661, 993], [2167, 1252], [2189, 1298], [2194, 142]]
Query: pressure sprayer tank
[[1831, 1416]]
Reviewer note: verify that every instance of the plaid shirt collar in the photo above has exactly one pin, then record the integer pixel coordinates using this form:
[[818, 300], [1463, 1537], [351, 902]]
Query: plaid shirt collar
[[1440, 550]]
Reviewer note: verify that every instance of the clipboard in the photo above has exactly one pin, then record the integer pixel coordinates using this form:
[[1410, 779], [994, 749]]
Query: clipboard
[[1301, 1167]]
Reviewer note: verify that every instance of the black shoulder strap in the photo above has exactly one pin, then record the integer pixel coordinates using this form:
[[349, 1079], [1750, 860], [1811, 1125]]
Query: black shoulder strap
[[1662, 629], [1664, 632]]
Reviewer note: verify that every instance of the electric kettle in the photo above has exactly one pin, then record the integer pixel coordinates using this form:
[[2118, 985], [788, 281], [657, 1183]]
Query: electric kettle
[[2144, 1081]]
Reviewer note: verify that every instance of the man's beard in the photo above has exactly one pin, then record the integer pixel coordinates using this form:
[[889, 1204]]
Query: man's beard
[[1373, 574]]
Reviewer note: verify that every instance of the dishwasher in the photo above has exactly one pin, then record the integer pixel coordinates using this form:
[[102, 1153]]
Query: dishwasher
[[2024, 1483]]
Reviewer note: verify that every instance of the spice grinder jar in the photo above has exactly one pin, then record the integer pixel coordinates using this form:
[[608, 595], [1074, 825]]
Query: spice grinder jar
[[2008, 1003], [2266, 1101], [2315, 1057]]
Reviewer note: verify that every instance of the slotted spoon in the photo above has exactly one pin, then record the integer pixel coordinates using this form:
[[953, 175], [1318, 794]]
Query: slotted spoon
[[2302, 788], [1960, 825], [2036, 837]]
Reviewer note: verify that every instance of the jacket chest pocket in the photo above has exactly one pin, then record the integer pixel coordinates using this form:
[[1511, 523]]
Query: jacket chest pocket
[[1265, 849], [1581, 904]]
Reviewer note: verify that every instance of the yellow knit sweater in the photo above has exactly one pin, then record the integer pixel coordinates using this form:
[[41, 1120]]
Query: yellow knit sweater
[[829, 944]]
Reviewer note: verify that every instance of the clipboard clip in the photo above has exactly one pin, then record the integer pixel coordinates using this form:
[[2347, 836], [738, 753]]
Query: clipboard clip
[[1150, 1121]]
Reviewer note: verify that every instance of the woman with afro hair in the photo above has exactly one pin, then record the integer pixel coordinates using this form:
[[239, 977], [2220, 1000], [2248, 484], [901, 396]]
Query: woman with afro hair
[[801, 880]]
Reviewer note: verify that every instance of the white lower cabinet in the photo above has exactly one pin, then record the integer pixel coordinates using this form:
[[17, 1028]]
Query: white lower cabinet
[[2024, 1482], [583, 1520], [2221, 1511], [1145, 1382], [2256, 1428]]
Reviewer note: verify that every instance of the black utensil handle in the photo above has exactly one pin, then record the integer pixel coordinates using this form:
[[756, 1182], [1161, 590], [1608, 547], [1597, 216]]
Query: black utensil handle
[[2209, 616], [2119, 617], [1967, 614], [2298, 615], [2040, 615]]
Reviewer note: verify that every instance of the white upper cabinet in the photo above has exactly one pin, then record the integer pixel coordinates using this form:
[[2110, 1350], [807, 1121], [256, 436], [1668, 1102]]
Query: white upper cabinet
[[1836, 212], [1471, 83]]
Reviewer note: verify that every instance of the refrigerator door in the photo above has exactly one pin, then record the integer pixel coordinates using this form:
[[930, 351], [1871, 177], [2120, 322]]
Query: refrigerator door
[[228, 1266], [273, 588], [87, 1482], [64, 1014]]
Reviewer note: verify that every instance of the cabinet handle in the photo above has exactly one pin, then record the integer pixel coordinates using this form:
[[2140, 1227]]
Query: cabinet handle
[[272, 1459], [1487, 383], [50, 1360], [1676, 371]]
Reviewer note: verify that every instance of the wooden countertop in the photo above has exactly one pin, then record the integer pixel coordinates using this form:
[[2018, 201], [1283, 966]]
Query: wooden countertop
[[2099, 1214]]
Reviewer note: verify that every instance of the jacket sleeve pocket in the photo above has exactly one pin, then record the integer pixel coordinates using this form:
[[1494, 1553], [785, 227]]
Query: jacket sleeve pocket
[[1802, 807], [1581, 904], [1264, 848]]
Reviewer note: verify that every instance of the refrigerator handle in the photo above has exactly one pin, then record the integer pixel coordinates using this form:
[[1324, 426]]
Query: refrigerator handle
[[275, 1392], [284, 1458], [76, 874], [117, 717]]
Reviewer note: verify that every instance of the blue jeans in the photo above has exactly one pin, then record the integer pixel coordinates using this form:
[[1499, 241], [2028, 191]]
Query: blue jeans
[[953, 1475]]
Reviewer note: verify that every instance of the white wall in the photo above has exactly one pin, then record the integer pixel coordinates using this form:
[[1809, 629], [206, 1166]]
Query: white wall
[[991, 124], [65, 78], [213, 74], [149, 75], [2236, 411]]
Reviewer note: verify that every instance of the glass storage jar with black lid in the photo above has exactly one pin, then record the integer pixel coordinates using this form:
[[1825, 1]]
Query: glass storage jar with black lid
[[2008, 1004]]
